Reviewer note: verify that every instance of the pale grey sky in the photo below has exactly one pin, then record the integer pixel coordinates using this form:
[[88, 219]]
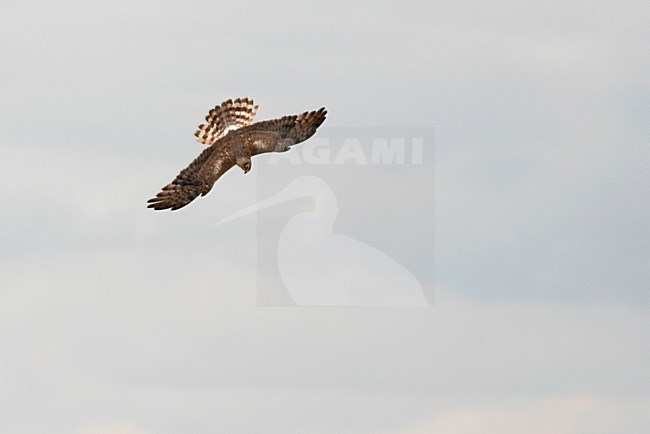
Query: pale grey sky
[[115, 319]]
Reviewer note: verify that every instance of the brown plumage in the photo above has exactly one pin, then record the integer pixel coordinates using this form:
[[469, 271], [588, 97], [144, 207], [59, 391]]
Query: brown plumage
[[233, 139]]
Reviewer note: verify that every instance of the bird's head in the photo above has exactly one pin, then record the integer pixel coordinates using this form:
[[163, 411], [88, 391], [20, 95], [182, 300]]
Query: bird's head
[[245, 164]]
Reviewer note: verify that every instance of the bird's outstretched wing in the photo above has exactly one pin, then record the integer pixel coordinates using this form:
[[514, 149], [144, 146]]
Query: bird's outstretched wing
[[278, 135], [196, 179], [228, 115]]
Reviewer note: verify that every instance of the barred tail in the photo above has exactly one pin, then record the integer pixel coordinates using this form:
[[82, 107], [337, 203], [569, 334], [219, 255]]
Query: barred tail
[[227, 116]]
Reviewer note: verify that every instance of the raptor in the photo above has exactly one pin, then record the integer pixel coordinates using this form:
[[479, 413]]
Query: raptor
[[232, 139]]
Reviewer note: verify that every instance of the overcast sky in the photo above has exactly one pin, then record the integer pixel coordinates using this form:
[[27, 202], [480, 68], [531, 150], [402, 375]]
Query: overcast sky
[[115, 319]]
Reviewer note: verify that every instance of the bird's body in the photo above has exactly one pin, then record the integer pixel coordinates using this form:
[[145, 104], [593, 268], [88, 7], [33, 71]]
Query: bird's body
[[233, 139]]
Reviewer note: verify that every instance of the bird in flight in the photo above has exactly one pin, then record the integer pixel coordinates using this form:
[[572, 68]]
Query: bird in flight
[[232, 139]]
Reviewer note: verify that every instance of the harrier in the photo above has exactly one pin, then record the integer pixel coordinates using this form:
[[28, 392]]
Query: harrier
[[233, 139]]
